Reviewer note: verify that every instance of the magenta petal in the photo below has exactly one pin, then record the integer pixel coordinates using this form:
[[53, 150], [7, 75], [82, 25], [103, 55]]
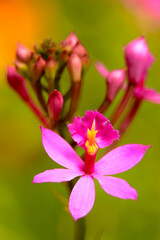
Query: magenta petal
[[117, 187], [100, 120], [101, 69], [82, 197], [60, 151], [147, 94], [56, 175], [106, 136], [120, 159], [78, 131]]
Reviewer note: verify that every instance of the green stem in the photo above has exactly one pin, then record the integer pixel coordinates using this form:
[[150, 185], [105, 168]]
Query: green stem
[[58, 74], [80, 229], [76, 90], [38, 90], [123, 104], [105, 104]]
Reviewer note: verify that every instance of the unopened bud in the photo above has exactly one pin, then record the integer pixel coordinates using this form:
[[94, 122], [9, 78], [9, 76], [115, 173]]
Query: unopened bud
[[50, 68], [17, 83], [38, 69], [23, 53], [115, 80], [55, 105], [138, 59], [21, 68], [74, 66], [70, 42], [82, 53]]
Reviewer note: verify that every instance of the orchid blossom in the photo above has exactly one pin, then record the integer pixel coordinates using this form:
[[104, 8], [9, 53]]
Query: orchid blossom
[[118, 160]]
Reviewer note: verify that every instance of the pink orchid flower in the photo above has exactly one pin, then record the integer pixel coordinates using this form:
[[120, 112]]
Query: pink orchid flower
[[83, 194], [114, 79], [148, 94], [104, 132]]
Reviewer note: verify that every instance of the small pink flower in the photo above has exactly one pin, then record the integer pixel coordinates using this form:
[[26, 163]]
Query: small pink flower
[[93, 121], [83, 194], [102, 69], [114, 79], [138, 60], [148, 94]]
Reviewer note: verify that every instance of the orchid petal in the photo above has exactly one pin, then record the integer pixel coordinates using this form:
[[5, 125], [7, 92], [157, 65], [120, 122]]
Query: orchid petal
[[147, 94], [57, 175], [117, 187], [120, 159], [106, 137], [78, 131], [82, 197], [60, 151], [101, 69], [90, 116]]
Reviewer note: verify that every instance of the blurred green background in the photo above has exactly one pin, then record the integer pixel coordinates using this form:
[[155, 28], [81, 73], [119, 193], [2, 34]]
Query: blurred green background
[[32, 211]]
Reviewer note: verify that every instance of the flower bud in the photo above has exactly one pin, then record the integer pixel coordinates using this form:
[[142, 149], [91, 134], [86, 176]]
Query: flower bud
[[71, 40], [21, 68], [54, 105], [115, 80], [74, 66], [82, 53], [17, 83], [23, 53], [50, 68], [138, 60], [38, 69]]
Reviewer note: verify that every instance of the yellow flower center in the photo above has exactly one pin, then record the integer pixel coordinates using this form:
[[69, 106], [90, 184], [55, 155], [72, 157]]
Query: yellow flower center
[[90, 143]]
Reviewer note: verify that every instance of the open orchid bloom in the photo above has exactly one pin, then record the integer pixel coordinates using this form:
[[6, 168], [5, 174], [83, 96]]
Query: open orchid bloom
[[83, 194], [95, 124], [114, 79]]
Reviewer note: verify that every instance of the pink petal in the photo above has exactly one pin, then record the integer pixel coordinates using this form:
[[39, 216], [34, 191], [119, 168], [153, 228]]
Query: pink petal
[[100, 120], [147, 94], [82, 197], [60, 151], [120, 159], [117, 187], [78, 131], [106, 136], [56, 175], [101, 69]]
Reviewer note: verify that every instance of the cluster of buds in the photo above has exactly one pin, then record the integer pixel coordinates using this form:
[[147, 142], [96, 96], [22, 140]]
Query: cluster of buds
[[43, 67]]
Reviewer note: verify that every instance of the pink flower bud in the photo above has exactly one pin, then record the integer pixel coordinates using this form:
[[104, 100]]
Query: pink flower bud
[[115, 80], [138, 59], [71, 40], [51, 67], [74, 66], [23, 53], [38, 69], [54, 105], [80, 50], [17, 83]]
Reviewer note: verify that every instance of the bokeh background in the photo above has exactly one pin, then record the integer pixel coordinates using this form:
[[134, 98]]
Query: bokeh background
[[32, 211]]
